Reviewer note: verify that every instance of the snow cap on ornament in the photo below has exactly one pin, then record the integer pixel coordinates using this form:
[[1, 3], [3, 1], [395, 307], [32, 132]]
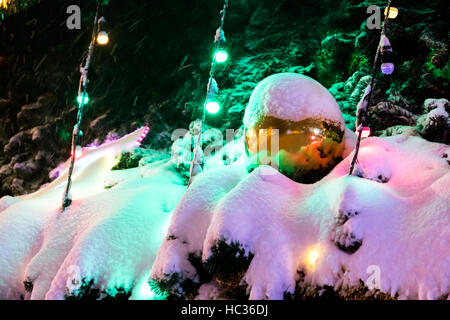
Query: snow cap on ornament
[[292, 97]]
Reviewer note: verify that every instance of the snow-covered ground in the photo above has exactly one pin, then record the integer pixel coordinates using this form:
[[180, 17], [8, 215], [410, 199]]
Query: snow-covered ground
[[388, 226], [109, 235]]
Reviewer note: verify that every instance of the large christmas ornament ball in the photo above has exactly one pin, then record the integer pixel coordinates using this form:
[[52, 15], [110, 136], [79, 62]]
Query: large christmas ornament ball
[[294, 123]]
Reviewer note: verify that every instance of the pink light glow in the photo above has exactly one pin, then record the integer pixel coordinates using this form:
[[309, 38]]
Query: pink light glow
[[365, 132], [142, 137], [112, 137], [78, 152]]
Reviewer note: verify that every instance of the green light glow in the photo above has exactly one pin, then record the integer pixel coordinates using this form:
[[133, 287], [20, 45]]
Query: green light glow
[[221, 56], [212, 107], [147, 291], [80, 97]]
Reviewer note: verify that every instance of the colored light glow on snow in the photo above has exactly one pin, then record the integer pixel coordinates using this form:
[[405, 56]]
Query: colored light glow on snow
[[78, 152], [387, 68], [313, 256], [102, 38], [80, 98], [365, 132], [147, 293], [142, 136], [221, 56], [393, 12], [212, 107]]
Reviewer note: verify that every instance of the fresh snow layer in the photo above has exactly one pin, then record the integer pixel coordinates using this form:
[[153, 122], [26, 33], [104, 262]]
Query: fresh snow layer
[[108, 235], [291, 96], [397, 206], [118, 223]]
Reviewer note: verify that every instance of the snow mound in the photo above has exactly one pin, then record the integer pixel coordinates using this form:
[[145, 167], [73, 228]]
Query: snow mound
[[388, 226], [107, 238]]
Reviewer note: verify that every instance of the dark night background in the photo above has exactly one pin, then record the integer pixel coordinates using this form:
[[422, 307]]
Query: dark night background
[[154, 70]]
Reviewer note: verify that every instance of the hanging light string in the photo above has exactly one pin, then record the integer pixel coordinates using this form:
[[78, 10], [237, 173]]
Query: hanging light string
[[82, 100], [362, 118], [212, 91]]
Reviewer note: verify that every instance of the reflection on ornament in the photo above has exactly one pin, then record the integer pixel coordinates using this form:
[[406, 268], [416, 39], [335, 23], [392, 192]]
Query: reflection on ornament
[[303, 150]]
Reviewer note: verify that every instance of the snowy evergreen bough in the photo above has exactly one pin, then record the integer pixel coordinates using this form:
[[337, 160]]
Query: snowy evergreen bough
[[241, 230], [306, 240]]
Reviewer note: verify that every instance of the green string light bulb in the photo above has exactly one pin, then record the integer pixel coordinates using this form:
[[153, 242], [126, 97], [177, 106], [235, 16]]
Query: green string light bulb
[[80, 98], [212, 107], [221, 56]]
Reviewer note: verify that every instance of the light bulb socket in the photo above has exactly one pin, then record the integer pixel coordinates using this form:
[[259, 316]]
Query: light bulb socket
[[386, 54], [220, 36], [101, 24], [212, 89], [78, 138]]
